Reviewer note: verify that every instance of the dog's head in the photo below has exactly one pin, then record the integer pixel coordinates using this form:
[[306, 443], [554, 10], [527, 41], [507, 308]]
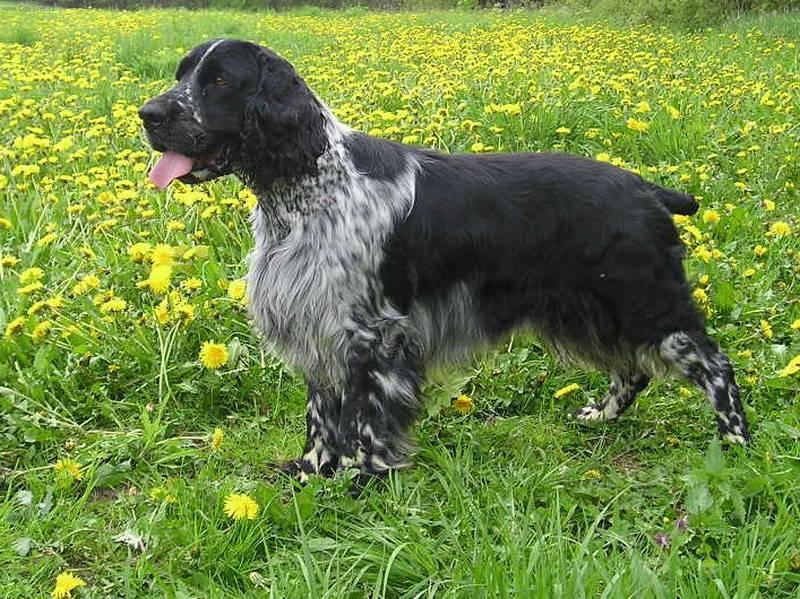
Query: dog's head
[[236, 107]]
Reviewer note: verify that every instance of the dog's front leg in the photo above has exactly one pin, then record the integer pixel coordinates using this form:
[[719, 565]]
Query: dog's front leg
[[380, 400], [322, 421]]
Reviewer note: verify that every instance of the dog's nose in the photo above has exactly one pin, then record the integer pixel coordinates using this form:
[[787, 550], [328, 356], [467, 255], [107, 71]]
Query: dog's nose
[[154, 112]]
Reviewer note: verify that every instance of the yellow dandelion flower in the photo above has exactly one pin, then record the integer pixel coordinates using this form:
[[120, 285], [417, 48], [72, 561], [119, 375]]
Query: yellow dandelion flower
[[113, 304], [4, 223], [237, 289], [28, 289], [710, 216], [162, 312], [769, 205], [163, 255], [642, 108], [793, 367], [463, 404], [30, 275], [9, 260], [592, 474], [46, 240], [239, 506], [759, 250], [564, 391], [563, 130], [86, 284], [41, 330], [637, 125], [796, 324], [191, 284], [779, 229], [66, 582], [766, 328], [213, 355], [674, 112], [159, 280], [216, 439], [69, 468], [15, 326], [700, 296], [184, 311], [139, 252]]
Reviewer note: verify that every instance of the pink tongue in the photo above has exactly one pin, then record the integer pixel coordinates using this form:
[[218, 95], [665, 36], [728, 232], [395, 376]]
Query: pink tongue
[[170, 166]]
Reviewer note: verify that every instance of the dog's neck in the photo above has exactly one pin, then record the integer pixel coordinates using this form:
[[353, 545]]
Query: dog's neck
[[307, 192]]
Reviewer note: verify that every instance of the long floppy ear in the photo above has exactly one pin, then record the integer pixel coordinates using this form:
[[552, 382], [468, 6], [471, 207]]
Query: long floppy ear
[[284, 128]]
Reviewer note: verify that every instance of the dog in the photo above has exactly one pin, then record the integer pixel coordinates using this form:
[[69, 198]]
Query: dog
[[374, 260]]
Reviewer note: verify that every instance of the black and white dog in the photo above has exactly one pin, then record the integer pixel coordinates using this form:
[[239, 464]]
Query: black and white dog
[[374, 260]]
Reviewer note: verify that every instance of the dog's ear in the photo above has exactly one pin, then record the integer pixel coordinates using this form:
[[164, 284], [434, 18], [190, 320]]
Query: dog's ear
[[284, 128]]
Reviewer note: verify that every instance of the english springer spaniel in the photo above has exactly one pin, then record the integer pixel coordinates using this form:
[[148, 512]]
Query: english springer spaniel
[[374, 260]]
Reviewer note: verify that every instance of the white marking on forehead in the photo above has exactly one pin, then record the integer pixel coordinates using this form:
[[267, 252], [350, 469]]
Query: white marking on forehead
[[206, 53], [187, 92]]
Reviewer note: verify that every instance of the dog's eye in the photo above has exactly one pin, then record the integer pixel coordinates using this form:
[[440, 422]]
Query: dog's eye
[[220, 82]]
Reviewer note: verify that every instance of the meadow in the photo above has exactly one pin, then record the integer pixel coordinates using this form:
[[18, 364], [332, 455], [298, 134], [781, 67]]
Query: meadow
[[139, 414]]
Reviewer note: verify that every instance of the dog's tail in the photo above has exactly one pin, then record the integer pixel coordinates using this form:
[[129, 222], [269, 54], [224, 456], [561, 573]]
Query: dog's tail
[[675, 201]]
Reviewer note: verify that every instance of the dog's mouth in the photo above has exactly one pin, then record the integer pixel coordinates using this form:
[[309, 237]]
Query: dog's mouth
[[187, 169]]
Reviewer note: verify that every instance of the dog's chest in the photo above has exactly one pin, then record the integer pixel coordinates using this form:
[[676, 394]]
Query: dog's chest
[[316, 259]]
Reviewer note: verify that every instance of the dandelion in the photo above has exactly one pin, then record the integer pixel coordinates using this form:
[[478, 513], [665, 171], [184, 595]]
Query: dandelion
[[237, 289], [69, 469], [239, 506], [564, 391], [710, 216], [191, 284], [795, 325], [9, 261], [213, 355], [563, 130], [162, 255], [779, 229], [41, 330], [637, 125], [159, 280], [139, 252], [31, 288], [14, 327], [793, 367], [113, 304], [463, 404], [642, 108], [86, 284], [674, 113], [769, 205], [766, 328], [30, 275], [46, 240], [66, 582], [759, 250], [216, 439], [700, 296], [4, 223], [592, 474]]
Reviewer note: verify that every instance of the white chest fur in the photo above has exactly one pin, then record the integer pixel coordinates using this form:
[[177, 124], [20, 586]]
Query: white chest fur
[[318, 250]]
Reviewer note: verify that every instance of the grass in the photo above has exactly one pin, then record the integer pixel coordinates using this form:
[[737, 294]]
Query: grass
[[511, 499]]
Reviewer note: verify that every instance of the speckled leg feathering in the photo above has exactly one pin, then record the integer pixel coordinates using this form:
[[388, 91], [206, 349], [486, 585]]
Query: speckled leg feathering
[[698, 358]]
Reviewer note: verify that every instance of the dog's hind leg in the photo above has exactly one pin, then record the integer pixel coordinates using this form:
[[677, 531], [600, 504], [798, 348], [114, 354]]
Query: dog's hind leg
[[381, 397], [322, 421], [698, 358], [621, 393]]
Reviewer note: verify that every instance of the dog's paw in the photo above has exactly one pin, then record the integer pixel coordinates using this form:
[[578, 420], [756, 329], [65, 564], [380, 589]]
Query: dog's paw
[[590, 413], [298, 469], [736, 439]]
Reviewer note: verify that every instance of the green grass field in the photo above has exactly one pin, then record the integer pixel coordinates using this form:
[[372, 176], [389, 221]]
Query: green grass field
[[110, 467]]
